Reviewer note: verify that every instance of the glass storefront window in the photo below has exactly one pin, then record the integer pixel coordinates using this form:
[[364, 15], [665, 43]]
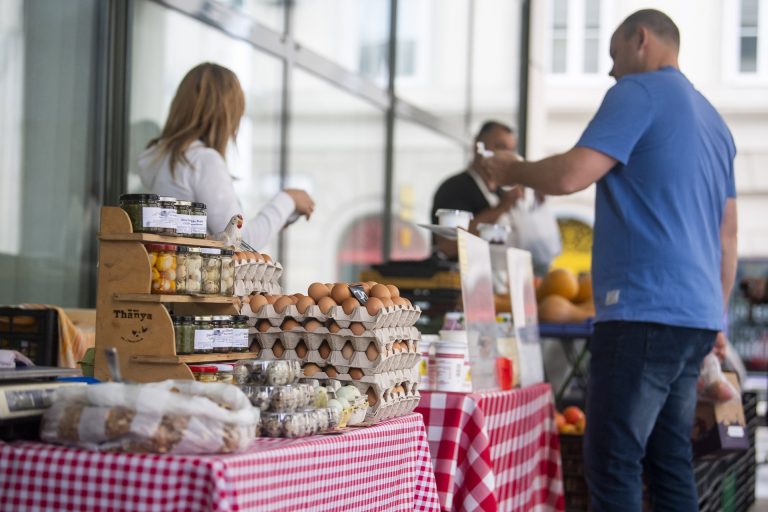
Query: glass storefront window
[[422, 160], [47, 186], [336, 153], [496, 62], [167, 44], [432, 42], [353, 34]]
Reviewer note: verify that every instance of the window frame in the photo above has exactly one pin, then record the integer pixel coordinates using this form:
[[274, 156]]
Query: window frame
[[731, 44]]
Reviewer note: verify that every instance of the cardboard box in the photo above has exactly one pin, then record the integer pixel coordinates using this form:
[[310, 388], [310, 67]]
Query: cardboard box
[[720, 428]]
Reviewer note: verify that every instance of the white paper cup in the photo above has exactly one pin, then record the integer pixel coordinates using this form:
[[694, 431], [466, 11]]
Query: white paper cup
[[454, 218]]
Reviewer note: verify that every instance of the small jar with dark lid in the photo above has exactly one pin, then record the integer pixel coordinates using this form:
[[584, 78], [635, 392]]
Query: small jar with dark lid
[[184, 218], [199, 220], [167, 215], [143, 210]]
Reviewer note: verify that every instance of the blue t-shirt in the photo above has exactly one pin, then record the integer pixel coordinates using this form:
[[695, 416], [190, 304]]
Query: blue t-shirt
[[656, 252]]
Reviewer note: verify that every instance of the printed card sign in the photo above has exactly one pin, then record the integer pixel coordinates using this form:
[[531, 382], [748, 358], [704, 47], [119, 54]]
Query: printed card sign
[[524, 314]]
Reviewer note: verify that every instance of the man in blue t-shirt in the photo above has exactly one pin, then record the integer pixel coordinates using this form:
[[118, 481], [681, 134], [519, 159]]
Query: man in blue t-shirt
[[664, 260]]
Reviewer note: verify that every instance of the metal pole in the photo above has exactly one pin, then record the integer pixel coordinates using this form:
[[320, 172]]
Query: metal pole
[[525, 59], [389, 142], [285, 119]]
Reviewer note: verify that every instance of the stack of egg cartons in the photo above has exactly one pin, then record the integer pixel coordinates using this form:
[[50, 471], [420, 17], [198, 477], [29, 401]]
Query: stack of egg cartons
[[373, 346], [256, 273]]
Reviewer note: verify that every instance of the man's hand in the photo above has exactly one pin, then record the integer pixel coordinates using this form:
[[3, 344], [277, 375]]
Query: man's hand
[[304, 203], [721, 342], [509, 198], [495, 169]]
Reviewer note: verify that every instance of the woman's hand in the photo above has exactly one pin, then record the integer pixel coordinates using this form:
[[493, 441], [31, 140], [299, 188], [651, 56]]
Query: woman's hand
[[304, 203]]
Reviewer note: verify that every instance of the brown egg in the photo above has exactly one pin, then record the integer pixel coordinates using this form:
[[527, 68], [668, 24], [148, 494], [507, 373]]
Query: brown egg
[[387, 303], [263, 325], [278, 349], [271, 298], [396, 347], [317, 291], [266, 257], [366, 288], [356, 373], [399, 301], [340, 293], [301, 349], [372, 397], [312, 324], [295, 298], [331, 372], [324, 350], [371, 284], [408, 303], [304, 303], [329, 286], [399, 389], [349, 305], [310, 369], [290, 324], [357, 328], [371, 352], [393, 291], [282, 303], [381, 291], [325, 304], [347, 351], [333, 327], [258, 301], [373, 306]]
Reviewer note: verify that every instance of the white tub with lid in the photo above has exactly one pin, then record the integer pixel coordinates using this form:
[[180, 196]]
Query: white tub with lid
[[449, 366]]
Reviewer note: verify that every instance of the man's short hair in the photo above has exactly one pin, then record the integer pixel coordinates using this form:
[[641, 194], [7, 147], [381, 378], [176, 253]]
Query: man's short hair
[[489, 126], [655, 21]]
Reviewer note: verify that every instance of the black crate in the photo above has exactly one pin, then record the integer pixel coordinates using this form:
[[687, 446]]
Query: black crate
[[33, 332]]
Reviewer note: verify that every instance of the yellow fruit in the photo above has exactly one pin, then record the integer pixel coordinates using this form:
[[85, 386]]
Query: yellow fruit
[[568, 429], [558, 310], [560, 282]]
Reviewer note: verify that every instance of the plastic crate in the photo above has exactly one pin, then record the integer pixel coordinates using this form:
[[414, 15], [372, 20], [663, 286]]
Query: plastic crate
[[33, 332]]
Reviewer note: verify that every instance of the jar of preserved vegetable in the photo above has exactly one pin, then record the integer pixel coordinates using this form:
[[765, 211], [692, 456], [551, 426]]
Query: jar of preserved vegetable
[[203, 343], [199, 220], [225, 373], [143, 210], [187, 327], [184, 218], [222, 333], [178, 332], [194, 270], [204, 372], [240, 340], [162, 260], [211, 271], [167, 215], [227, 272], [182, 269]]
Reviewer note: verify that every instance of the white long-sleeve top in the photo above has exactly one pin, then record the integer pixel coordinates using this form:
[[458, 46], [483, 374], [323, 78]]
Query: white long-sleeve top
[[206, 179]]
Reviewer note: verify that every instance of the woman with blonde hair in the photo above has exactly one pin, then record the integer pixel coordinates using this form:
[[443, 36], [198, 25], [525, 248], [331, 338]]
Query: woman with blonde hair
[[187, 160]]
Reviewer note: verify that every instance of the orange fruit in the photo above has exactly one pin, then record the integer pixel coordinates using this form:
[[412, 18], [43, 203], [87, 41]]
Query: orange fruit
[[559, 421], [585, 289], [568, 429], [560, 282], [574, 415]]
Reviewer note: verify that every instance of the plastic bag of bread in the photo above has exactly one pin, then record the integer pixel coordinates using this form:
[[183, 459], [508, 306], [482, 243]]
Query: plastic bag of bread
[[712, 385], [180, 417]]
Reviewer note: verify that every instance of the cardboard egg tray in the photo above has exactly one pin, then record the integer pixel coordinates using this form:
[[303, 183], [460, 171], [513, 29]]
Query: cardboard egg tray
[[245, 287], [258, 270], [396, 316], [389, 404]]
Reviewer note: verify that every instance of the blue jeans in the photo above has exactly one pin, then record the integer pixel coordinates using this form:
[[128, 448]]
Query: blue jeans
[[640, 406]]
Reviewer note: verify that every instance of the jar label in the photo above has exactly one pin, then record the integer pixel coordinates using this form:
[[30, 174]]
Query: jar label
[[151, 217], [199, 224], [240, 338], [222, 338], [168, 218], [183, 224], [203, 339]]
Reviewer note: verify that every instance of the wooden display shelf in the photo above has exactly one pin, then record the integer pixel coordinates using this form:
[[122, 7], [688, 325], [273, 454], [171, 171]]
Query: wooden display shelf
[[194, 358], [160, 239], [162, 298]]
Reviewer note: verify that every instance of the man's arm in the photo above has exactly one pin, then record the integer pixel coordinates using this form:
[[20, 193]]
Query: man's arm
[[728, 229], [561, 174]]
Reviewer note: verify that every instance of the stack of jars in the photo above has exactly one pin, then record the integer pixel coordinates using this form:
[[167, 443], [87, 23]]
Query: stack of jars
[[160, 215], [177, 269], [211, 334]]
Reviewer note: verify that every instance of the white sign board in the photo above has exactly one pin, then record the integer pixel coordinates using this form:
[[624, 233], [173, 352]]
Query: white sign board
[[522, 293]]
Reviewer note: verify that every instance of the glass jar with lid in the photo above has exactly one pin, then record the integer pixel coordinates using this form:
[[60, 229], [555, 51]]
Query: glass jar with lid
[[225, 373], [203, 343], [182, 269], [187, 327], [227, 272], [240, 339], [204, 372], [211, 271], [162, 261], [184, 218], [194, 270], [222, 333], [199, 220], [178, 332], [167, 215], [143, 210]]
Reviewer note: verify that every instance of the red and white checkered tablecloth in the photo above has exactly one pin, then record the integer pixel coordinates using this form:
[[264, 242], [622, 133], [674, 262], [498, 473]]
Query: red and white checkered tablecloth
[[495, 450], [384, 467]]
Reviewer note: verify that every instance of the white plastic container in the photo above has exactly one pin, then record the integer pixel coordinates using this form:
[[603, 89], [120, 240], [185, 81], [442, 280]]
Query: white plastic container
[[448, 367], [454, 218]]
